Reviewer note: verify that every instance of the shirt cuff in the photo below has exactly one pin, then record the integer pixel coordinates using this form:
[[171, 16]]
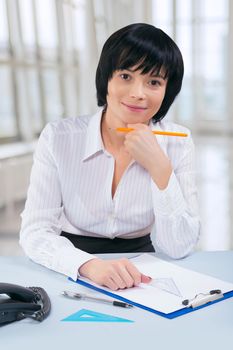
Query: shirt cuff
[[170, 201], [69, 260]]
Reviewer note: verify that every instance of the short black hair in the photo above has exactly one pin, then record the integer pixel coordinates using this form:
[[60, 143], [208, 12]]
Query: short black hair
[[150, 50]]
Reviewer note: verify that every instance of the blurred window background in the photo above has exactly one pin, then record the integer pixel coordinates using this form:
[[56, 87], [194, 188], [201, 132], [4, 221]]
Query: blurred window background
[[49, 50]]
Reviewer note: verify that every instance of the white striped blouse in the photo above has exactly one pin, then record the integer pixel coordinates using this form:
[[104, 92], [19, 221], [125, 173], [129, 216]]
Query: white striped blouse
[[71, 190]]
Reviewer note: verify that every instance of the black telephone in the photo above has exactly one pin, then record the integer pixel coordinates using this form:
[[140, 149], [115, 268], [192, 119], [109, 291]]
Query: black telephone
[[18, 302]]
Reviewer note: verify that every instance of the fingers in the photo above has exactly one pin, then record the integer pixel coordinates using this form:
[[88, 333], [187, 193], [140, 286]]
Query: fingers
[[140, 139], [127, 274], [114, 274], [145, 279], [134, 273], [117, 276], [127, 278], [138, 126], [138, 277], [120, 278], [111, 284]]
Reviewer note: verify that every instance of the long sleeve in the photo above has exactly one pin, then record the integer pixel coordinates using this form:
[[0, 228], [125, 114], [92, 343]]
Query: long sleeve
[[177, 224], [71, 190], [40, 231]]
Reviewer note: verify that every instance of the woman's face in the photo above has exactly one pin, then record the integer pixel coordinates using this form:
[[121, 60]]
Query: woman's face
[[134, 97]]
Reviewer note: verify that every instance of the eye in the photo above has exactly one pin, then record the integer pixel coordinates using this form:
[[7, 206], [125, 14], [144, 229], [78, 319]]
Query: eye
[[155, 82], [125, 76]]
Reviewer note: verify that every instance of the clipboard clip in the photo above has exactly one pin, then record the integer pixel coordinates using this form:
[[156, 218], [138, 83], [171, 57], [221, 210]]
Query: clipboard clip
[[203, 298]]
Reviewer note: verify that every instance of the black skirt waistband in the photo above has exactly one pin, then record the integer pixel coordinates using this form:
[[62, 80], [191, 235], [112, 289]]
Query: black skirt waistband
[[96, 245]]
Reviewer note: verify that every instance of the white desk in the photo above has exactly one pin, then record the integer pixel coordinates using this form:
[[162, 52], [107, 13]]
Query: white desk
[[209, 328]]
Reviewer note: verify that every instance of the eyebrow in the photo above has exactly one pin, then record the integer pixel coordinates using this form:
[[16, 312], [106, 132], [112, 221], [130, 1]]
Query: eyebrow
[[157, 76], [151, 75]]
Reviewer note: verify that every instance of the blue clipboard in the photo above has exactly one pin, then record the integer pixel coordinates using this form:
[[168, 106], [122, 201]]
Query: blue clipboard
[[171, 315]]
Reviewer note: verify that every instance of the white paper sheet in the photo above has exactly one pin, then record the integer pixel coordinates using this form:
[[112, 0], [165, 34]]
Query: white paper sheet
[[188, 283]]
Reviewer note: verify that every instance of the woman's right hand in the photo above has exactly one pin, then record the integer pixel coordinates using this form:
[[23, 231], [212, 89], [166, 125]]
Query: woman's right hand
[[114, 274]]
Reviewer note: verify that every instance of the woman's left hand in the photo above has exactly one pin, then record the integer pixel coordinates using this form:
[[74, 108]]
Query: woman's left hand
[[143, 146]]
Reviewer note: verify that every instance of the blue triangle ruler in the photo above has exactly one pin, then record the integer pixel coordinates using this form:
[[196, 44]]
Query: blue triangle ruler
[[85, 315]]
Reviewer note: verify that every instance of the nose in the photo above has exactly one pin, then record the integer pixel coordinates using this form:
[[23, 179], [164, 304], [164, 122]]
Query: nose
[[137, 90]]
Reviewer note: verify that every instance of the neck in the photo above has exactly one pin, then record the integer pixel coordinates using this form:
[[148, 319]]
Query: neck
[[109, 134]]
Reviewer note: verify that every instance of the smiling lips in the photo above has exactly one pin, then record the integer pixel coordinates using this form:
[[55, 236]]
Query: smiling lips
[[134, 108]]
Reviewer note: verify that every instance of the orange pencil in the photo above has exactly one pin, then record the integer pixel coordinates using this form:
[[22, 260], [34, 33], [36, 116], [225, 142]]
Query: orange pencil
[[156, 132]]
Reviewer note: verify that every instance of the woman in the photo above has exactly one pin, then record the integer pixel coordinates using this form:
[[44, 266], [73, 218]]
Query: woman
[[94, 189]]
